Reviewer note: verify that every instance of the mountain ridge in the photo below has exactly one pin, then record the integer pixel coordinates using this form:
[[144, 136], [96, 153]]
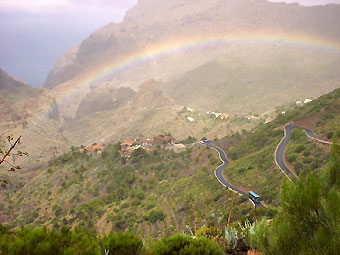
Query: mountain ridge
[[140, 48]]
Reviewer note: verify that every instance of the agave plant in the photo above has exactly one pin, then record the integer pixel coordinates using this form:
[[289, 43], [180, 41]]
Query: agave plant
[[189, 229], [247, 228], [231, 237]]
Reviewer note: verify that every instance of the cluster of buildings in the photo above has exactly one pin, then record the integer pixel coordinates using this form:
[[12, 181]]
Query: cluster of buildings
[[150, 144], [94, 149], [222, 116], [304, 102]]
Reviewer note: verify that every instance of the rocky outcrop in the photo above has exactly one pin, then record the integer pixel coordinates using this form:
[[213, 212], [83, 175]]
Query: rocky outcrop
[[63, 69], [33, 114], [150, 96], [104, 99], [8, 82]]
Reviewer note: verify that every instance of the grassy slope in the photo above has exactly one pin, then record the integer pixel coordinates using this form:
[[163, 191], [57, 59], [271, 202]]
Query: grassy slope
[[253, 164], [101, 191], [305, 155], [159, 193], [119, 125]]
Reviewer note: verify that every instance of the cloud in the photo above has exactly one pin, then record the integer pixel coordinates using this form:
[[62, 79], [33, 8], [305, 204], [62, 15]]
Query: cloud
[[308, 2], [115, 3], [65, 6]]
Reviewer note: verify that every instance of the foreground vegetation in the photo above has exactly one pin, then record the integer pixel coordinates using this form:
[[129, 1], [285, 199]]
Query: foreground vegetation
[[308, 221], [155, 194], [41, 241]]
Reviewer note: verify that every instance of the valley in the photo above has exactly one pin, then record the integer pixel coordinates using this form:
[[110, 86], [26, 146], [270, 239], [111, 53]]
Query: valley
[[169, 122]]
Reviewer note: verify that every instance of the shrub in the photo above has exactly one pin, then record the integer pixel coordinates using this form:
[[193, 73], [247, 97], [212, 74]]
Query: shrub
[[155, 215], [122, 244], [292, 158], [299, 148], [185, 245], [213, 161]]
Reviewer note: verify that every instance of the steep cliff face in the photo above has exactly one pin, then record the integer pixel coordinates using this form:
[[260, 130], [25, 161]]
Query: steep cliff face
[[33, 114], [8, 82], [104, 99], [273, 53], [10, 88], [157, 22], [109, 114], [63, 69], [150, 96]]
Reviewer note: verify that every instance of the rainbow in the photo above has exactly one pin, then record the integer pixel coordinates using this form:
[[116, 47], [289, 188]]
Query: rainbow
[[171, 47]]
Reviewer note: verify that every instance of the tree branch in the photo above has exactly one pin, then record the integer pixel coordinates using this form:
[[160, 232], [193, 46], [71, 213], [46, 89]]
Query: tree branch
[[10, 150], [13, 166]]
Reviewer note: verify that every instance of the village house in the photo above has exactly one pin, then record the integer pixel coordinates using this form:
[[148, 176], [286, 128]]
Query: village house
[[126, 152], [252, 117], [268, 120], [161, 140], [144, 141], [94, 149], [127, 143], [224, 116]]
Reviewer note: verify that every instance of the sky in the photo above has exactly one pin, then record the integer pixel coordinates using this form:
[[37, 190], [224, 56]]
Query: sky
[[35, 33], [308, 2]]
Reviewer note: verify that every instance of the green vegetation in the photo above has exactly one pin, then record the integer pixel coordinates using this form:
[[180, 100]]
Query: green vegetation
[[155, 193], [252, 153], [161, 193], [189, 140], [308, 222], [41, 241], [306, 155]]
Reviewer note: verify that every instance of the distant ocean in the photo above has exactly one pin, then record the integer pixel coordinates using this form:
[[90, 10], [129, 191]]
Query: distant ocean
[[29, 46]]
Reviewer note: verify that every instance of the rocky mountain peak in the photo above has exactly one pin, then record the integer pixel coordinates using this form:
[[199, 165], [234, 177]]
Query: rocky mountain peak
[[151, 96], [9, 82]]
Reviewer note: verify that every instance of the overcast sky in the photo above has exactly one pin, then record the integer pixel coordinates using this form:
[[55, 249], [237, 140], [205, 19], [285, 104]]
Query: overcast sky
[[308, 2], [34, 33]]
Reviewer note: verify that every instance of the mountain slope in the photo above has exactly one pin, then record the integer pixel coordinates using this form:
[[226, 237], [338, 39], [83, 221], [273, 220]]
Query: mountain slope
[[161, 192], [33, 114], [252, 154], [273, 46]]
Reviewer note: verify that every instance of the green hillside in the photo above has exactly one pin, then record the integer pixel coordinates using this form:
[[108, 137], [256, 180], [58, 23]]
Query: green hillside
[[155, 193], [162, 193], [252, 153]]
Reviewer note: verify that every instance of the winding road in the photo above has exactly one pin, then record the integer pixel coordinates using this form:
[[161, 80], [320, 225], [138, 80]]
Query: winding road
[[279, 158], [219, 172], [280, 149]]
